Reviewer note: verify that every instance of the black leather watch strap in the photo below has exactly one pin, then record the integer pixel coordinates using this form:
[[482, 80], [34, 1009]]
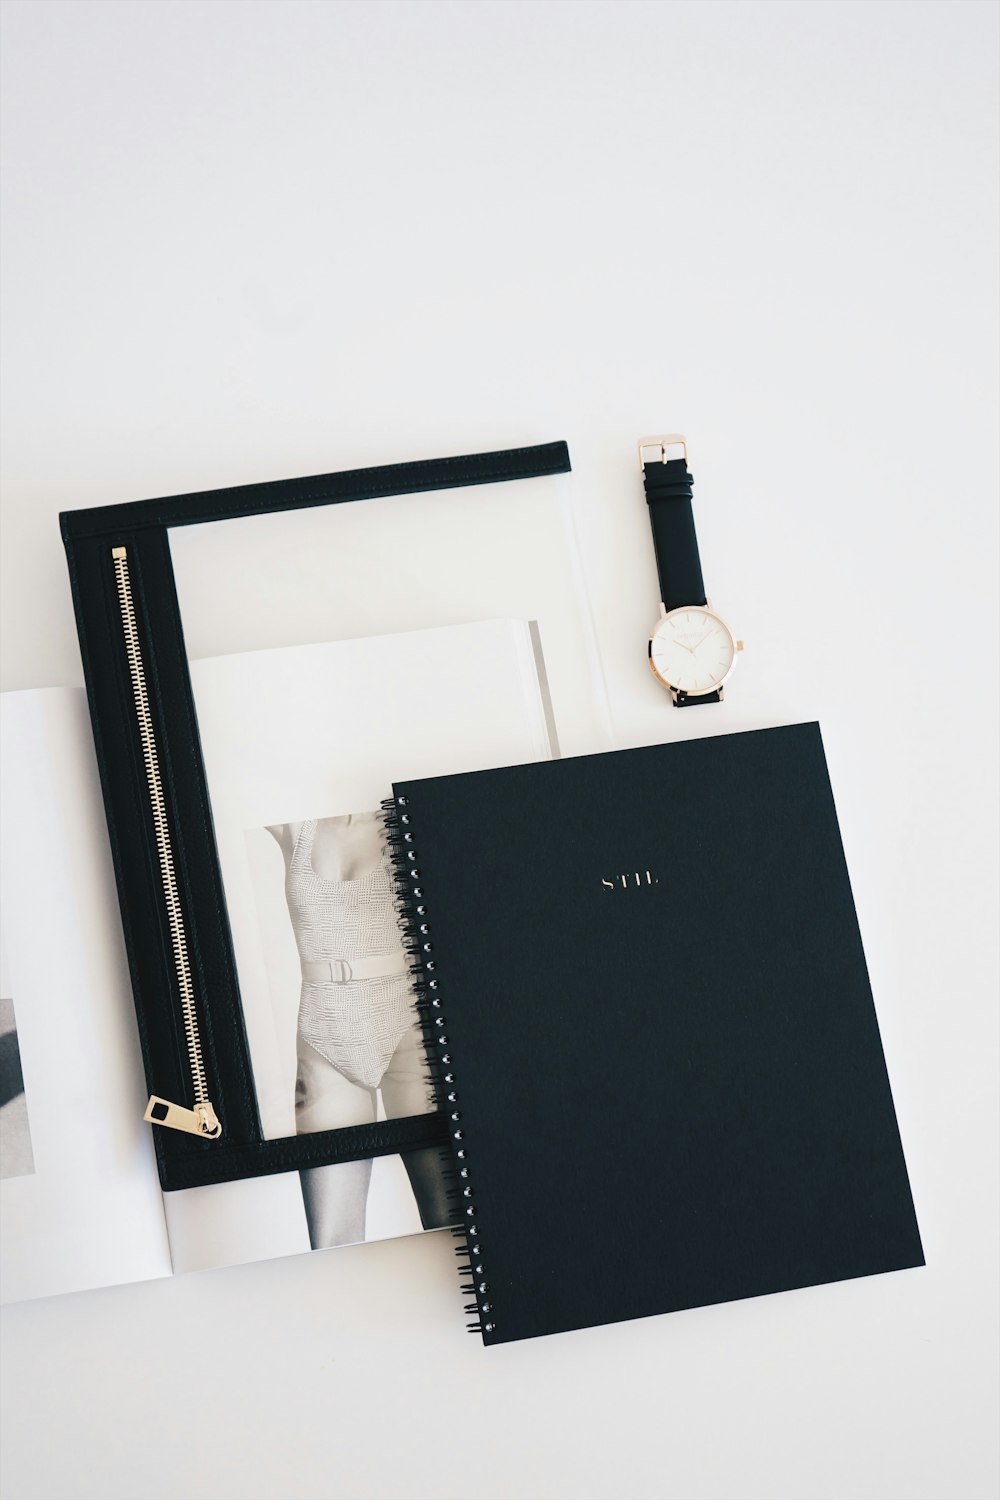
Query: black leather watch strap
[[682, 700], [668, 494]]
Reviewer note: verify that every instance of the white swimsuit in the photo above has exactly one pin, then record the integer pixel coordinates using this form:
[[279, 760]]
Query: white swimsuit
[[356, 1024]]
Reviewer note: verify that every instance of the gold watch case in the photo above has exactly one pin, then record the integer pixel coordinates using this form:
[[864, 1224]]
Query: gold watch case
[[702, 609]]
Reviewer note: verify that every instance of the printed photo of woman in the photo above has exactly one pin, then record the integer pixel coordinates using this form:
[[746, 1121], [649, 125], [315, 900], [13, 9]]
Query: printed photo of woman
[[358, 1035]]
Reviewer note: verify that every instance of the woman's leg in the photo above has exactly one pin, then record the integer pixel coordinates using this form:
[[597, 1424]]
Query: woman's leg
[[335, 1199], [406, 1091], [334, 1196]]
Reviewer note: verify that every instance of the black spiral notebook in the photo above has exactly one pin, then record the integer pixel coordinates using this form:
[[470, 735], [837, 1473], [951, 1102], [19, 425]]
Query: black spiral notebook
[[648, 1012]]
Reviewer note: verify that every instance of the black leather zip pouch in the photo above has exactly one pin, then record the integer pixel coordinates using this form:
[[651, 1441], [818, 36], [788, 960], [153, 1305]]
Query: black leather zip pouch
[[204, 1100]]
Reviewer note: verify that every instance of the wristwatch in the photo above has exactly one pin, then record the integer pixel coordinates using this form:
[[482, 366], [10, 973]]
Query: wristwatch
[[692, 651]]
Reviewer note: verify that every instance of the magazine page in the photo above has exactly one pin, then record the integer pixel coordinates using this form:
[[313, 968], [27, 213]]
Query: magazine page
[[301, 744], [80, 1202]]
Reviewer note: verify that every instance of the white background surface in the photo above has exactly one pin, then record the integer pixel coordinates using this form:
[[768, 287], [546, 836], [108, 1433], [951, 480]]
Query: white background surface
[[246, 241]]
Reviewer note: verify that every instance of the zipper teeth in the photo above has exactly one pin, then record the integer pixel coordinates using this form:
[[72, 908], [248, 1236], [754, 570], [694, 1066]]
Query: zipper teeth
[[161, 827]]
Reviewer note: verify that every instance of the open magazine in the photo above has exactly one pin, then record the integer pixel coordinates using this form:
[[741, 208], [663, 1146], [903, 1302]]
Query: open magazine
[[302, 855]]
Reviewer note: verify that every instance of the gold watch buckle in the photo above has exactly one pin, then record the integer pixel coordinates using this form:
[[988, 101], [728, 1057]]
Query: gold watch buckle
[[661, 444]]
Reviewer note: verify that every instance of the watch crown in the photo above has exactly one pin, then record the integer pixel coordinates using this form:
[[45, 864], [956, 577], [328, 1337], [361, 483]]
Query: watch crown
[[739, 645]]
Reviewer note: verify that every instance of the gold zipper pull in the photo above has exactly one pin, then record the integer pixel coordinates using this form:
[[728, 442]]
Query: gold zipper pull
[[202, 1120]]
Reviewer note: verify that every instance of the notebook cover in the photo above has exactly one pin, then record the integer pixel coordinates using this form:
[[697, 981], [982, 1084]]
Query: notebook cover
[[669, 1083]]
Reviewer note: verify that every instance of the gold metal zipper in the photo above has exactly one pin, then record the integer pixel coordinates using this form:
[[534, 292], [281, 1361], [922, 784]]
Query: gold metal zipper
[[202, 1119]]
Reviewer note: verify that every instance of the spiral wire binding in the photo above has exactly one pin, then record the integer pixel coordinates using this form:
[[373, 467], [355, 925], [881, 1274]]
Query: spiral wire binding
[[424, 978]]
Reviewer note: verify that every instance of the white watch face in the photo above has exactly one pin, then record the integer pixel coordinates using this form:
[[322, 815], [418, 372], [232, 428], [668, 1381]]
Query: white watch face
[[692, 650]]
